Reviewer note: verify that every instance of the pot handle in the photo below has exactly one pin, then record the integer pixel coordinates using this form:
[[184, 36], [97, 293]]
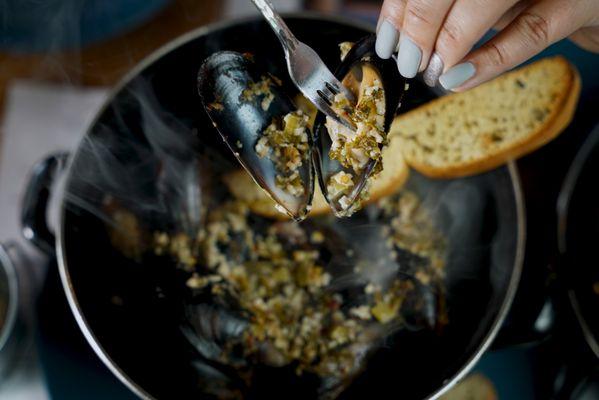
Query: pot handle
[[34, 222]]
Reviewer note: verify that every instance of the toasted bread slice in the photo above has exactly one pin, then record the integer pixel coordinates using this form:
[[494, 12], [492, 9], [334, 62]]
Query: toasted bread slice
[[393, 176], [474, 387], [475, 131], [242, 187]]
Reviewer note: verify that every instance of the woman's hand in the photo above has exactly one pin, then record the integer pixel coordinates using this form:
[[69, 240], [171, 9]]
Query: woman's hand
[[437, 36]]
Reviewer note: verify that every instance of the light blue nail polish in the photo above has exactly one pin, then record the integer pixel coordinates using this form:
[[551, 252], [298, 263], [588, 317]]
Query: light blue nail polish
[[386, 40], [457, 75], [408, 57]]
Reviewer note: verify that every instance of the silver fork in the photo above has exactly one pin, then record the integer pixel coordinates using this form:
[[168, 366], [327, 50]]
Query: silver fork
[[308, 72]]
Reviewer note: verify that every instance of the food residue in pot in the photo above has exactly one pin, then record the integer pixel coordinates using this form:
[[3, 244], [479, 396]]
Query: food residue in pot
[[279, 275]]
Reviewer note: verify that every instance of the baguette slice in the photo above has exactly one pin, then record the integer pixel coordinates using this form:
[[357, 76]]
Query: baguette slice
[[475, 131], [393, 176], [242, 187], [474, 387]]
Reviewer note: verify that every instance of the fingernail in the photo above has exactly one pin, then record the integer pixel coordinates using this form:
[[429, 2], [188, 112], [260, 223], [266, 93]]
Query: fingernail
[[434, 70], [457, 75], [408, 57], [386, 40]]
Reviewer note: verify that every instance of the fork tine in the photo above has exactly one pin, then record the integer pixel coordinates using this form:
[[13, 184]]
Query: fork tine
[[326, 95], [332, 87], [329, 92], [329, 112], [338, 87], [331, 82], [348, 94], [311, 75]]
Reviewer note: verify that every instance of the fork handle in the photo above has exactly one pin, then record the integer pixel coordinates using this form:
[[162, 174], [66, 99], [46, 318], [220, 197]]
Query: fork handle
[[286, 37]]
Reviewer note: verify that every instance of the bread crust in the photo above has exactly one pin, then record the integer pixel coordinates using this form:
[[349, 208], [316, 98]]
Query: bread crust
[[476, 386], [556, 122]]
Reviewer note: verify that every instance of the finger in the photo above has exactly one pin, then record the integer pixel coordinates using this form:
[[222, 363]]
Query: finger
[[465, 25], [587, 38], [456, 42], [422, 20], [389, 23], [511, 14], [540, 25]]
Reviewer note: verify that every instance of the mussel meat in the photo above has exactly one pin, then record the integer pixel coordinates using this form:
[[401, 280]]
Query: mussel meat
[[345, 160], [270, 136]]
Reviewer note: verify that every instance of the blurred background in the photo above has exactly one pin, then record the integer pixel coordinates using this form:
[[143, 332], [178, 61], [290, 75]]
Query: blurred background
[[58, 61]]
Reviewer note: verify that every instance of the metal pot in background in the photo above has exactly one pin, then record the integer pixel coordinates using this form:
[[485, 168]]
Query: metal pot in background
[[9, 293], [16, 304], [578, 270], [578, 230]]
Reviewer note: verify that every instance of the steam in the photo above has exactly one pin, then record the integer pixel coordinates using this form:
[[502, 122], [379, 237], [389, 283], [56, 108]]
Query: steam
[[477, 245], [460, 211], [179, 182], [149, 167]]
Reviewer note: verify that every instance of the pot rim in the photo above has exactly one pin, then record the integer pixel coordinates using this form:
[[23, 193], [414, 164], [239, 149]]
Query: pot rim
[[563, 208], [207, 29]]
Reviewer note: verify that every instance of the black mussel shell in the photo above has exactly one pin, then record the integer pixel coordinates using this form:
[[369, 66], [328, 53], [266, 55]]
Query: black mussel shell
[[222, 80], [394, 86]]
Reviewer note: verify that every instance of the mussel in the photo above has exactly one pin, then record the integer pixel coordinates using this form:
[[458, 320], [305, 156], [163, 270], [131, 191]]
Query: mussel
[[362, 70], [261, 126], [311, 302], [271, 139]]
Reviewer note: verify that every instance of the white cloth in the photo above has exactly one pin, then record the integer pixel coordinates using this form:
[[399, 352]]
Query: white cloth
[[38, 120]]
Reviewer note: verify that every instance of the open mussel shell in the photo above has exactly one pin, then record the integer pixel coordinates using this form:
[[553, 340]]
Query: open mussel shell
[[394, 87], [222, 80]]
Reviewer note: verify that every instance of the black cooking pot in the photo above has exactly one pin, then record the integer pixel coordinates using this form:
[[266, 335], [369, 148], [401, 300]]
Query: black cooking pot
[[152, 152], [578, 290], [16, 297], [578, 228], [9, 295]]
